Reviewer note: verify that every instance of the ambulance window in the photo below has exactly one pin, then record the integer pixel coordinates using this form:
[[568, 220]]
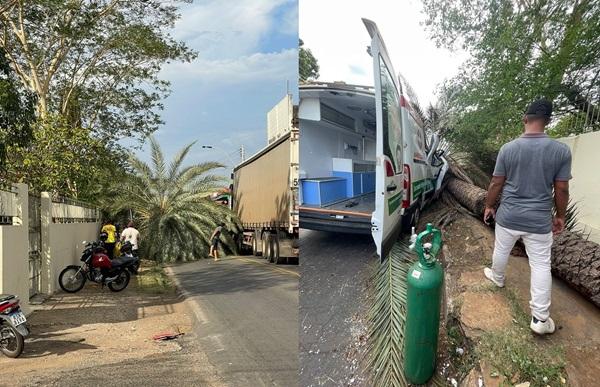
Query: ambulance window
[[392, 137]]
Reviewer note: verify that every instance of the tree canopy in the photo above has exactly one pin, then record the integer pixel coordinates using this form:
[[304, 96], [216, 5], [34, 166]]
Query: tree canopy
[[95, 62], [309, 66], [520, 51]]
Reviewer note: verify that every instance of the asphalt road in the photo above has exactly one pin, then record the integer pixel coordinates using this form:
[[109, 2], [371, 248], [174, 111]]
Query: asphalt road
[[247, 318], [333, 303]]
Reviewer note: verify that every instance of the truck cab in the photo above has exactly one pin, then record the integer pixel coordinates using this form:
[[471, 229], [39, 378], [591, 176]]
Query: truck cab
[[358, 146]]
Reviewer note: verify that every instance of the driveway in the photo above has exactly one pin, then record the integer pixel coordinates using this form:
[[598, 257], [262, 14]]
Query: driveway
[[246, 318]]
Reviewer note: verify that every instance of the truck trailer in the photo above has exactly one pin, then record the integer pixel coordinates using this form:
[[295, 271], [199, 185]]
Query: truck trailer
[[265, 190]]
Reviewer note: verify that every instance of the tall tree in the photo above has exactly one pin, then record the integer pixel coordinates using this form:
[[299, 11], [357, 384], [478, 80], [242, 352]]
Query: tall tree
[[309, 66], [520, 50], [16, 113], [95, 62]]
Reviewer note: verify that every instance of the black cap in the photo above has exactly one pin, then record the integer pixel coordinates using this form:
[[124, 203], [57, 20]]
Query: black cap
[[541, 108]]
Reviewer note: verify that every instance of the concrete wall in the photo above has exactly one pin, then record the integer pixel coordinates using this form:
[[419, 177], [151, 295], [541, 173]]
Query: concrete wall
[[61, 243], [585, 186], [65, 241], [14, 251]]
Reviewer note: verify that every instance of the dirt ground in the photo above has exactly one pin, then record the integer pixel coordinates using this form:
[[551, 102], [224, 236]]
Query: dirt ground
[[487, 339], [97, 327]]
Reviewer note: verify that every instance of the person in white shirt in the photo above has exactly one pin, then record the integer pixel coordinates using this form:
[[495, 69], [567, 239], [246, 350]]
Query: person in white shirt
[[130, 234]]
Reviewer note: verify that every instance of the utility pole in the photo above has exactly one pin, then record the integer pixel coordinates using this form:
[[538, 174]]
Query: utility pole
[[242, 153]]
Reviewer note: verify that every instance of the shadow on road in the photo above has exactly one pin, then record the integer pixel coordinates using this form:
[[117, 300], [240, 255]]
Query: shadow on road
[[207, 277]]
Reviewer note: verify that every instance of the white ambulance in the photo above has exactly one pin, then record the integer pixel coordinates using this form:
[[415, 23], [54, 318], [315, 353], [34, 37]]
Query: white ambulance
[[365, 164]]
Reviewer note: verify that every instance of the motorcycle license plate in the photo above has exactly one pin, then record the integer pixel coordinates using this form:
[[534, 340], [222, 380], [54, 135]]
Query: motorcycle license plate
[[17, 318]]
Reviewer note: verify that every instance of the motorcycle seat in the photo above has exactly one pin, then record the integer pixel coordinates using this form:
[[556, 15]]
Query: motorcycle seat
[[6, 297], [123, 261]]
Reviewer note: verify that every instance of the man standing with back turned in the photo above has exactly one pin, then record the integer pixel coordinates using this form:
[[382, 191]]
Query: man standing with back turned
[[527, 170]]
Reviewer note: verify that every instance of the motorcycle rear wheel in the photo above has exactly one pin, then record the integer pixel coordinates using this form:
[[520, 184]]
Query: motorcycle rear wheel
[[11, 341], [121, 282], [71, 279]]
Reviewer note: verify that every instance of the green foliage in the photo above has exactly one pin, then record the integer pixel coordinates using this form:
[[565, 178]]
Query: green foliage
[[519, 51], [16, 111], [387, 318], [62, 159], [308, 66], [95, 62], [171, 205]]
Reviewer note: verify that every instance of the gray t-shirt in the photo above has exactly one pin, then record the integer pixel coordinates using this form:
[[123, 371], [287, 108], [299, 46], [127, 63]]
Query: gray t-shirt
[[531, 164]]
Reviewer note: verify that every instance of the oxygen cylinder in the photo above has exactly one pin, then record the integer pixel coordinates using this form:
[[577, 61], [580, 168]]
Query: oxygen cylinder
[[424, 294]]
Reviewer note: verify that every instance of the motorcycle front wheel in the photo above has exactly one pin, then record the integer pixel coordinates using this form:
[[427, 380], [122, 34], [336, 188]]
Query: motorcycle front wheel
[[71, 279], [121, 282], [11, 341]]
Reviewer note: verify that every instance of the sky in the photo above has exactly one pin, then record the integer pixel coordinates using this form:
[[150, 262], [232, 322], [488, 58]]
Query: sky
[[247, 56], [334, 32], [247, 52]]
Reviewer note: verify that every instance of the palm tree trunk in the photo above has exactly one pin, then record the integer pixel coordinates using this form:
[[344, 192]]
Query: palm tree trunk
[[574, 259]]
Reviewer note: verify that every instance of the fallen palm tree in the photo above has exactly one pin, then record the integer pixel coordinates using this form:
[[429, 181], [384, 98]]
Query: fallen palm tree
[[575, 260]]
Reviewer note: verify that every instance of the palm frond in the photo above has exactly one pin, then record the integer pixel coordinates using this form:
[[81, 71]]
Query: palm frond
[[158, 160], [175, 164], [387, 318]]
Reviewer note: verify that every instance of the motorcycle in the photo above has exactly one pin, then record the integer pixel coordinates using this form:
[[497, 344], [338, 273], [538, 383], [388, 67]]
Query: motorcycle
[[97, 267], [13, 326], [127, 252]]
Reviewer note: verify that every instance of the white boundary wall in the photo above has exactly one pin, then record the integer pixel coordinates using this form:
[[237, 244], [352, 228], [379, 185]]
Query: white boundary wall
[[61, 243], [14, 250], [585, 186]]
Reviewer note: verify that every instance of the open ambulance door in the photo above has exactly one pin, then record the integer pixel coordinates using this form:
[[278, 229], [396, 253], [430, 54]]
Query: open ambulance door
[[389, 184]]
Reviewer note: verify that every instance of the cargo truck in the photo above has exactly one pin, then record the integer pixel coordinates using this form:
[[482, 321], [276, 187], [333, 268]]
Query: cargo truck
[[265, 190]]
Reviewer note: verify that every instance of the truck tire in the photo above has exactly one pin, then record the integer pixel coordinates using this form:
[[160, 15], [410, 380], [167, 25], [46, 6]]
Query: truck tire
[[265, 244], [275, 250], [255, 251], [269, 242]]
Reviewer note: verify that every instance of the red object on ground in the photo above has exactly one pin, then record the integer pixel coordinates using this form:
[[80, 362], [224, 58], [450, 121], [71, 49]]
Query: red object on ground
[[166, 336]]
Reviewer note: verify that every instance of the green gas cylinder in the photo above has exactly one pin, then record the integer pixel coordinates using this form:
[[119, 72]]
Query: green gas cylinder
[[424, 295]]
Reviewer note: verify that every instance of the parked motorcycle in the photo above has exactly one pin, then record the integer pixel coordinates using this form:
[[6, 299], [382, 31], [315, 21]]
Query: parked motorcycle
[[13, 326], [127, 252], [97, 267]]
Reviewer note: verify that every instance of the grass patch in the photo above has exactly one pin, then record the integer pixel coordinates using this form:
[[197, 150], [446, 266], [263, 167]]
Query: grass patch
[[519, 355], [153, 279]]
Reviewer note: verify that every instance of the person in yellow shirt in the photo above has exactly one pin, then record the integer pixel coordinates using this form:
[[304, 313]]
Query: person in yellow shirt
[[111, 238]]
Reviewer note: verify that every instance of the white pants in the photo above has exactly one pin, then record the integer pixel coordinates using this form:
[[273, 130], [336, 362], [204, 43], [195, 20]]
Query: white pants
[[538, 247]]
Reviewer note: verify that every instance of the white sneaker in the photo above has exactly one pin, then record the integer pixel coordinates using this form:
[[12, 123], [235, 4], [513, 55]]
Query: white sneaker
[[489, 274], [542, 327]]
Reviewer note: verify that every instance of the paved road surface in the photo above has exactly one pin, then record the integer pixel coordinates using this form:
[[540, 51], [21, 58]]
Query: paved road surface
[[247, 318], [335, 270]]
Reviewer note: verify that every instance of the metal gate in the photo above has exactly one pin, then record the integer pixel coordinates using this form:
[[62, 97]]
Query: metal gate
[[35, 245]]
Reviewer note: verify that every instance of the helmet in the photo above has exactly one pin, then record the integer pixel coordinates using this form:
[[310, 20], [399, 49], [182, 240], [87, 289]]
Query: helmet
[[103, 236]]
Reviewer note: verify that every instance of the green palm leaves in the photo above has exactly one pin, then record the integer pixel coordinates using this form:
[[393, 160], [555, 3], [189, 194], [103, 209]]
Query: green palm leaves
[[387, 318], [172, 205]]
